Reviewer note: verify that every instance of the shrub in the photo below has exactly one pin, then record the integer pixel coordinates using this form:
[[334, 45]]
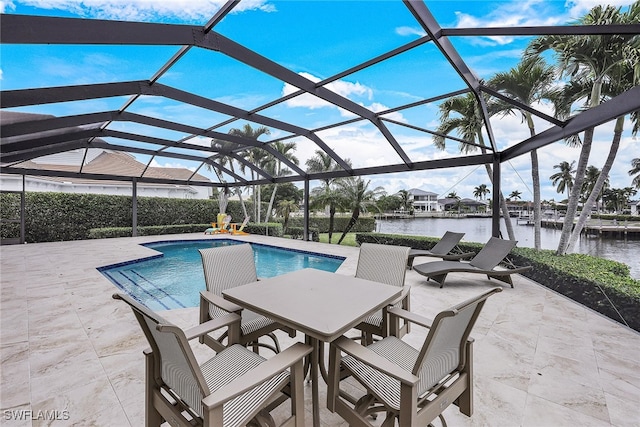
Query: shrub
[[298, 233], [53, 217], [265, 229]]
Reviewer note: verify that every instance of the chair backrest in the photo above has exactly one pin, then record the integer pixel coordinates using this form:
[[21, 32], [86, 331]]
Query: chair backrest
[[226, 267], [447, 243], [244, 223], [383, 263], [443, 350], [493, 253], [174, 362]]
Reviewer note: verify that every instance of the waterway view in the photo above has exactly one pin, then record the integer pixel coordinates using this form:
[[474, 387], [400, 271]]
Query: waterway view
[[479, 230]]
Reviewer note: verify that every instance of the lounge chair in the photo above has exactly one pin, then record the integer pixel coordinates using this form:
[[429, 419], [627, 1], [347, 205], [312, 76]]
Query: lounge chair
[[442, 249], [491, 254], [226, 267], [238, 231], [384, 264], [221, 226], [231, 388], [412, 385]]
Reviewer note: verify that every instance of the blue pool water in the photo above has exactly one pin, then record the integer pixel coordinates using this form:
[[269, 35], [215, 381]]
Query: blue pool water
[[175, 278]]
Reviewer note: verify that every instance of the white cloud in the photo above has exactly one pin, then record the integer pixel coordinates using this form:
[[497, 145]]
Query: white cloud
[[144, 10], [0, 73], [509, 14], [350, 90], [578, 8], [410, 31], [6, 6], [341, 87]]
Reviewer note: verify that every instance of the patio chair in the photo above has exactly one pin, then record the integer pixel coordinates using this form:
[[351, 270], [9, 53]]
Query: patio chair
[[235, 387], [442, 249], [239, 231], [491, 254], [411, 385], [226, 267], [221, 226], [385, 264]]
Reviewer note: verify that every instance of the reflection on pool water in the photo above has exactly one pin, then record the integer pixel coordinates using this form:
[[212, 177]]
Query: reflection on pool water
[[174, 278]]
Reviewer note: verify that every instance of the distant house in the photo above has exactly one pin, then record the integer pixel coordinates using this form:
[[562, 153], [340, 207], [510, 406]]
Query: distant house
[[465, 205], [101, 161], [423, 201]]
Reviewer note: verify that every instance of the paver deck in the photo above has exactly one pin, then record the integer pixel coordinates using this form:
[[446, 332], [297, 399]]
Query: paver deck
[[68, 351]]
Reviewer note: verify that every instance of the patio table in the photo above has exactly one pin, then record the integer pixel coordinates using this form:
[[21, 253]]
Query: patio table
[[320, 304]]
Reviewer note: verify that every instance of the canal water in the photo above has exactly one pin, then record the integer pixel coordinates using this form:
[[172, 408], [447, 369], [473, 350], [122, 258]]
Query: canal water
[[479, 230]]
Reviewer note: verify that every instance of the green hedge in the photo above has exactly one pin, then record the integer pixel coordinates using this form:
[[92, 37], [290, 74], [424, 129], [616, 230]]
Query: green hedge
[[51, 217], [274, 229], [298, 233], [150, 230], [600, 284]]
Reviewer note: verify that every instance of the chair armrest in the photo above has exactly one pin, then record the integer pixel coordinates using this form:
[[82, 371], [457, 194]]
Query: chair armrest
[[211, 325], [406, 290], [258, 375], [218, 301], [411, 317], [374, 360]]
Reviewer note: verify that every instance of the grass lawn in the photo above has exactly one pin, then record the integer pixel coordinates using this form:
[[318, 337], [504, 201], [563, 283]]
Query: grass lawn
[[349, 239]]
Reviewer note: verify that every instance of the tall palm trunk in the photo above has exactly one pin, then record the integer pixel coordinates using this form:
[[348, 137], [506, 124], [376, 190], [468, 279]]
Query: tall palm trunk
[[273, 197], [597, 188], [244, 207], [239, 192], [332, 214], [352, 221], [535, 178], [537, 202], [574, 197]]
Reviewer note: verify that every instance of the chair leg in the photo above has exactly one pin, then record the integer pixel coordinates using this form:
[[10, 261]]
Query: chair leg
[[152, 416]]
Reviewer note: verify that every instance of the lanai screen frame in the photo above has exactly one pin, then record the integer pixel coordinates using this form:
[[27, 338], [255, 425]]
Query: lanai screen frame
[[21, 141]]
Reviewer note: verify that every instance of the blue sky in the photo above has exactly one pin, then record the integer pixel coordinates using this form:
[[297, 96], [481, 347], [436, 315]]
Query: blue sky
[[316, 40]]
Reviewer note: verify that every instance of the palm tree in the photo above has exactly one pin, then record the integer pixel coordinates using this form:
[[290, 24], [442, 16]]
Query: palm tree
[[589, 58], [617, 198], [481, 191], [326, 195], [635, 170], [529, 83], [358, 198], [254, 155], [468, 123], [564, 178], [622, 77], [590, 180], [286, 149], [224, 159], [285, 207], [323, 196], [406, 201], [515, 195], [453, 195]]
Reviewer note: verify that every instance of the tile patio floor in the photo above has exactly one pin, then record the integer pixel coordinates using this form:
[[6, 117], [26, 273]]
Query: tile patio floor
[[65, 345]]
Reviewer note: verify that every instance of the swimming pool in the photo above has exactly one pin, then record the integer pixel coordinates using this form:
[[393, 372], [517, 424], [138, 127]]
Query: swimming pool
[[174, 278]]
